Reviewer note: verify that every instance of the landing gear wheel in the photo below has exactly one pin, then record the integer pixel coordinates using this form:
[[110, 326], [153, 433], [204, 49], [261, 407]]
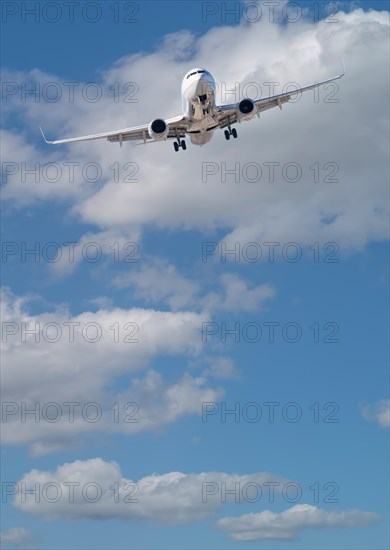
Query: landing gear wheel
[[183, 145], [227, 134], [176, 146], [234, 132]]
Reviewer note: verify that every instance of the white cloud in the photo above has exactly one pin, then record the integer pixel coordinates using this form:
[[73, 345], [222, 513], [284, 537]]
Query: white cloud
[[30, 174], [16, 536], [237, 296], [102, 302], [116, 246], [288, 525], [171, 498], [352, 134], [158, 281], [221, 367], [378, 412], [73, 368], [80, 358]]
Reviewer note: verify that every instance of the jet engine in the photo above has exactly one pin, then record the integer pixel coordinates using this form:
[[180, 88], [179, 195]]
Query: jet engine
[[158, 129], [246, 109]]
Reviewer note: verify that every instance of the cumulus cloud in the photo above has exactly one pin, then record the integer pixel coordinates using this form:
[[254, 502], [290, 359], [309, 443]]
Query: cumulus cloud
[[158, 281], [338, 135], [288, 525], [31, 174], [222, 367], [236, 295], [80, 360], [378, 412], [53, 359], [171, 498], [17, 536], [117, 246]]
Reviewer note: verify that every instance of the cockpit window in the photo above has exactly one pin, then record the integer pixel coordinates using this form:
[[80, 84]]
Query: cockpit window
[[196, 72]]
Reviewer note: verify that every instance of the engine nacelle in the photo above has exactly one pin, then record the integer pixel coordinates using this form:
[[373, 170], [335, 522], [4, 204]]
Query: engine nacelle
[[246, 109], [158, 129]]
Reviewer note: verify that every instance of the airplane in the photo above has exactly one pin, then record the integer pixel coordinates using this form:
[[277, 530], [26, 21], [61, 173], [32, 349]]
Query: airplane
[[201, 116]]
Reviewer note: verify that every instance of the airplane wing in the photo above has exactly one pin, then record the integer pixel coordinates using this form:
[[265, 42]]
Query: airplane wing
[[177, 128], [227, 114]]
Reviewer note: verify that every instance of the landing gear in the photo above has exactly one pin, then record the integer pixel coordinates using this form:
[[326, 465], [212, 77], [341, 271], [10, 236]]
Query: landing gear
[[179, 143], [230, 131]]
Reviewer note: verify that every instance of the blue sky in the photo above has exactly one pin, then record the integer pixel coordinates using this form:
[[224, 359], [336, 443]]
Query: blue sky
[[152, 282]]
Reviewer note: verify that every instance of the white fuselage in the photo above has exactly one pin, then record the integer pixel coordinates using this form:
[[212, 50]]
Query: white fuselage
[[198, 99]]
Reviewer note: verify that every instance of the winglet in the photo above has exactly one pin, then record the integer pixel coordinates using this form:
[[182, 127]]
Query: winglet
[[344, 71], [43, 135]]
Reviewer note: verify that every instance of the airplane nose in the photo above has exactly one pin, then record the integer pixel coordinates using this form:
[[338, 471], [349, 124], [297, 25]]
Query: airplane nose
[[195, 89], [200, 88], [204, 87]]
